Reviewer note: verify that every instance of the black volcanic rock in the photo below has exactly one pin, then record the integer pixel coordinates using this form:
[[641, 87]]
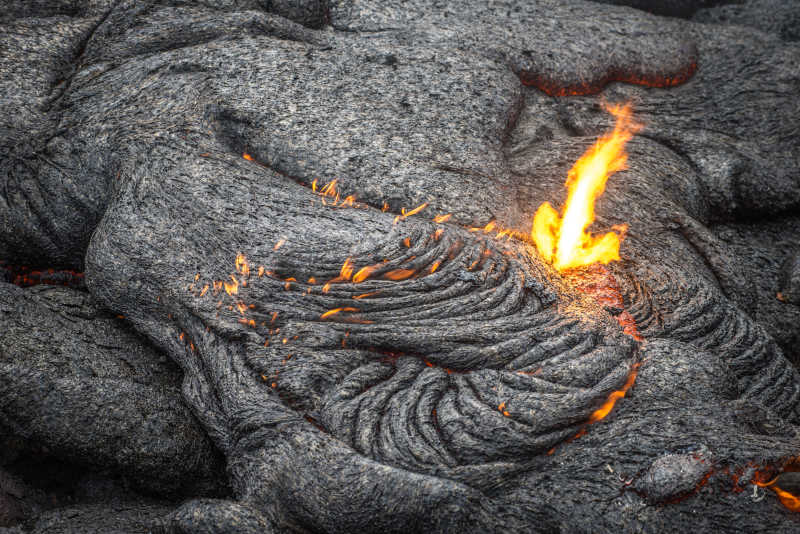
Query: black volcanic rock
[[362, 369]]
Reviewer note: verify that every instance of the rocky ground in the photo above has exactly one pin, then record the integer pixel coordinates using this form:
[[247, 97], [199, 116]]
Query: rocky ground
[[202, 332]]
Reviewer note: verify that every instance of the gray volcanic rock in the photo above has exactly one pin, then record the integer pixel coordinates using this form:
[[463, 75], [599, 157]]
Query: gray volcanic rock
[[671, 8], [39, 9], [363, 368], [46, 216], [123, 518], [767, 253], [781, 19], [66, 365]]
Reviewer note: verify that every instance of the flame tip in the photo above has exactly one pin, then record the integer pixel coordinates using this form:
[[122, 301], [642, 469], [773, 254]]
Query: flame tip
[[562, 239]]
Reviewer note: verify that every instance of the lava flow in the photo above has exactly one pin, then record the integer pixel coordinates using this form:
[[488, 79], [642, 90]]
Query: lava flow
[[563, 239]]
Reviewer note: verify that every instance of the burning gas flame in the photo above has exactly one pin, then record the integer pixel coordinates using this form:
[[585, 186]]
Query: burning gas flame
[[563, 240]]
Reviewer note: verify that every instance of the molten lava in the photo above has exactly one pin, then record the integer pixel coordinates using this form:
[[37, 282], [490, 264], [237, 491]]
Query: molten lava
[[563, 240], [789, 500]]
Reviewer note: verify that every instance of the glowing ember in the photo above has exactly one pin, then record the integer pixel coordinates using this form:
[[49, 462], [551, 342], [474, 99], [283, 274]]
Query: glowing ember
[[405, 214], [364, 273], [335, 311], [563, 240]]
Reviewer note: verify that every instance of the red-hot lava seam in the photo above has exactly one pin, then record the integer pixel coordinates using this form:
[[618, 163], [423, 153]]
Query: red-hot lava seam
[[597, 281], [25, 277], [553, 88]]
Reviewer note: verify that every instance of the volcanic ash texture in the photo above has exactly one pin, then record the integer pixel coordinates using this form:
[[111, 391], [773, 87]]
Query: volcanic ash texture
[[371, 354]]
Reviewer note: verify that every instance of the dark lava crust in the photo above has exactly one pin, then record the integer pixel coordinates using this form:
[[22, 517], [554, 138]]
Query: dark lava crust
[[196, 335]]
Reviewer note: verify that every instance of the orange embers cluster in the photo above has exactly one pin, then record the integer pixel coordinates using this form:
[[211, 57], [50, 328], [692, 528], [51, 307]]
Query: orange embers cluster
[[562, 239], [231, 287], [329, 192], [331, 196]]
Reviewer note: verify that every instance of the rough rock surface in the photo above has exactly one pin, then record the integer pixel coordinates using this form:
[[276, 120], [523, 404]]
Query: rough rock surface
[[98, 374], [363, 369], [771, 16]]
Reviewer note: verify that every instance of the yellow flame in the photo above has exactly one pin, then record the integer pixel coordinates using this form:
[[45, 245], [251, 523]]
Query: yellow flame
[[563, 240]]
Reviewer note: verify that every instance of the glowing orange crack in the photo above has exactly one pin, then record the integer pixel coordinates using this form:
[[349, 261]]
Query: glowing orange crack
[[612, 399], [335, 311]]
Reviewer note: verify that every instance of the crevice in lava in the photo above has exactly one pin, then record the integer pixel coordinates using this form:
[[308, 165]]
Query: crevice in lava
[[715, 257], [24, 276], [253, 155], [63, 85]]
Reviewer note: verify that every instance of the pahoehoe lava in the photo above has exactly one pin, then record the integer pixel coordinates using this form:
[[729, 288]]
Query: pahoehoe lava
[[197, 337]]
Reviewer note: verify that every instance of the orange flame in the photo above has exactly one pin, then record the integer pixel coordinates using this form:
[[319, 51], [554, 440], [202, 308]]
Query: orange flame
[[347, 270], [406, 214], [330, 189], [787, 499], [399, 274], [563, 240], [241, 264], [233, 288]]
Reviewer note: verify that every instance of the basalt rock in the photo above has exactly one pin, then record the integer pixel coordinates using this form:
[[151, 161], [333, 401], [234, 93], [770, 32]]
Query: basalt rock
[[318, 212], [79, 384], [138, 517]]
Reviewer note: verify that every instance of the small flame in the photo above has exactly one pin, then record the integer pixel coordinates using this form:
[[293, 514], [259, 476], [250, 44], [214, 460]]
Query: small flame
[[789, 500], [232, 288], [563, 240], [330, 189], [399, 274], [406, 214], [347, 270], [241, 264]]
